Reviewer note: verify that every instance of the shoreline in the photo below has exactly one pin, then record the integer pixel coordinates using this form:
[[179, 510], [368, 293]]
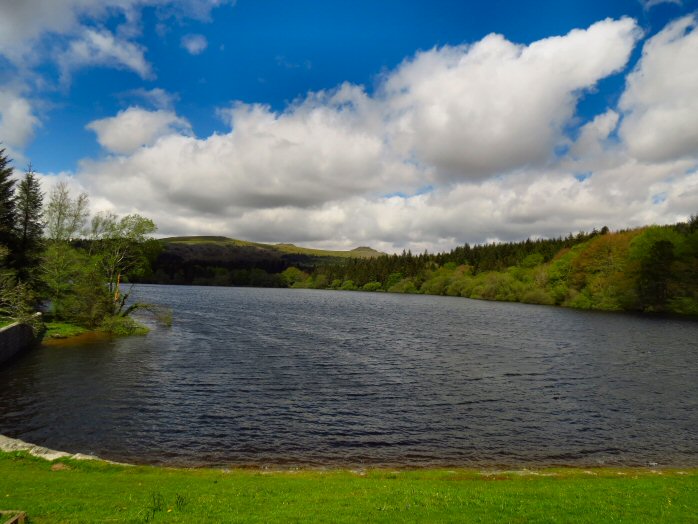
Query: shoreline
[[11, 445]]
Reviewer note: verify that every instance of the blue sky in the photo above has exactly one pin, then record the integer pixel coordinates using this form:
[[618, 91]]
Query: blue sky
[[348, 82]]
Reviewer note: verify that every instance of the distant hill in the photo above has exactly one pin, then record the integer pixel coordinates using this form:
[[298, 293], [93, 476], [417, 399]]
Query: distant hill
[[217, 260], [359, 252]]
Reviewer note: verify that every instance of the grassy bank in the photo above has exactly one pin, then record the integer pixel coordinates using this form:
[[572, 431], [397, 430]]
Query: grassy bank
[[116, 326], [93, 491]]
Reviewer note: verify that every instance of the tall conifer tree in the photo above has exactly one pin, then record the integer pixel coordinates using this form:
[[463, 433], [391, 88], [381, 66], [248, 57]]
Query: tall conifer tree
[[7, 201], [29, 226]]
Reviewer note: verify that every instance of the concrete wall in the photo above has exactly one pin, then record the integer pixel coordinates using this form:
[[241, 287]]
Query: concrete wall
[[13, 339]]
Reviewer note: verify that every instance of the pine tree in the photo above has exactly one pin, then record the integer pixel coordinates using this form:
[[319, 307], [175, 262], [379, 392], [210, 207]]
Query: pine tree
[[29, 227], [7, 201]]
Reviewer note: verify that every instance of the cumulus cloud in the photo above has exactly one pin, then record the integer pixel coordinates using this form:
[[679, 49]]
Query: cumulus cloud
[[660, 102], [17, 120], [455, 145], [318, 151], [495, 106], [194, 44], [135, 127]]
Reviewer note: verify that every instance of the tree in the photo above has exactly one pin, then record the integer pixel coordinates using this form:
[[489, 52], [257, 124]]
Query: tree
[[65, 216], [118, 244], [7, 201], [655, 273], [28, 227], [15, 297]]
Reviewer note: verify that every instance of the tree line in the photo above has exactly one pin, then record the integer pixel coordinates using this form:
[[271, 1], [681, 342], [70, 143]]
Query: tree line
[[650, 269], [53, 256]]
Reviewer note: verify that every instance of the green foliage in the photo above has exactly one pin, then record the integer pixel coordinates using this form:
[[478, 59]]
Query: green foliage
[[406, 285], [57, 330], [16, 298], [649, 269], [537, 296], [372, 286], [293, 276], [74, 285], [122, 326], [117, 245], [348, 285], [7, 201], [28, 226], [65, 216]]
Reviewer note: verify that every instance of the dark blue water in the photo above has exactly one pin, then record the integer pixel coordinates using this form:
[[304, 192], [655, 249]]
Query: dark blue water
[[284, 377]]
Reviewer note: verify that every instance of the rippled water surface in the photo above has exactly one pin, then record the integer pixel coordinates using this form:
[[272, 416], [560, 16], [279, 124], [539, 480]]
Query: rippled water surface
[[267, 376]]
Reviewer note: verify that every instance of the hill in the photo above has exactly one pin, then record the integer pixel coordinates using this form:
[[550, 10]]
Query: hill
[[359, 252], [217, 260]]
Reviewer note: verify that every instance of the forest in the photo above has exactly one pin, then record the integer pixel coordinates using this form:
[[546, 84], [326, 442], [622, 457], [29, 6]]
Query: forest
[[649, 269]]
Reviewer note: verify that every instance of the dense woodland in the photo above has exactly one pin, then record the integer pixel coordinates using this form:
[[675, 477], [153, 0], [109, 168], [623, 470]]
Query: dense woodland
[[653, 269]]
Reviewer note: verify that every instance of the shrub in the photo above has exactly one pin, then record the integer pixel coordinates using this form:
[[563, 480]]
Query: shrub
[[122, 326], [537, 296], [372, 286], [348, 285]]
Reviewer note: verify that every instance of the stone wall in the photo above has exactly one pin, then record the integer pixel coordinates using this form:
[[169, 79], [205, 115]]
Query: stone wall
[[13, 339]]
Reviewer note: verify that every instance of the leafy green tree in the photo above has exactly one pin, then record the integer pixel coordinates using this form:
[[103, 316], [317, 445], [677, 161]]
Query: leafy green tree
[[16, 298], [65, 216], [119, 246], [29, 226], [7, 201]]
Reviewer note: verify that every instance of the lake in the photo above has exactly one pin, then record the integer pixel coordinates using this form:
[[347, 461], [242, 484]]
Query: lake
[[285, 377]]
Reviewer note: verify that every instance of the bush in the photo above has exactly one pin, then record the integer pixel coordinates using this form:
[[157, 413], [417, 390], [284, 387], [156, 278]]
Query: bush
[[348, 285], [406, 285], [372, 286], [122, 326], [537, 296]]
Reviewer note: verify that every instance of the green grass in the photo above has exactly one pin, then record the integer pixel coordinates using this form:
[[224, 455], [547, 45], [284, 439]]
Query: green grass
[[63, 330], [359, 252], [93, 491]]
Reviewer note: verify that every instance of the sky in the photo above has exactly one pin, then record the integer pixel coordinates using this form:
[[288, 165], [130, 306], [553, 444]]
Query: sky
[[336, 124]]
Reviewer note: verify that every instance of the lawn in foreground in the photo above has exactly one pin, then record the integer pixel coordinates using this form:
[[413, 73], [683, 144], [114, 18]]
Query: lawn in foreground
[[93, 491]]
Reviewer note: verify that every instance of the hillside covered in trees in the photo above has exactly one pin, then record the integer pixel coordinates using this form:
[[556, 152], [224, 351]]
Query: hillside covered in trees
[[652, 269]]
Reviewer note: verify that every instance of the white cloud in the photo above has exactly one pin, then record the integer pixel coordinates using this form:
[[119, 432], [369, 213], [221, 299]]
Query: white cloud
[[23, 22], [318, 151], [17, 120], [157, 97], [593, 140], [455, 145], [194, 44], [102, 48], [323, 170], [495, 106], [649, 4], [134, 128], [660, 102]]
